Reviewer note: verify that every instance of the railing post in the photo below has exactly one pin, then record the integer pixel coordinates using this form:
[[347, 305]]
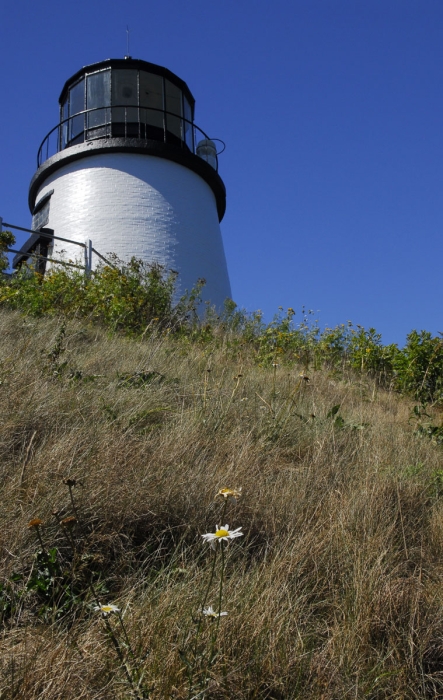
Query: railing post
[[88, 257]]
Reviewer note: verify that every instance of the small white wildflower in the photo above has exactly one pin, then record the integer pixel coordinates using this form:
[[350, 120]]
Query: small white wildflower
[[221, 534], [210, 612], [106, 609]]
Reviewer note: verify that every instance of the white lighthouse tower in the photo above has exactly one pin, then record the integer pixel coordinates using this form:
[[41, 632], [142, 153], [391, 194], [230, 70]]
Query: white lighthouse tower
[[127, 169]]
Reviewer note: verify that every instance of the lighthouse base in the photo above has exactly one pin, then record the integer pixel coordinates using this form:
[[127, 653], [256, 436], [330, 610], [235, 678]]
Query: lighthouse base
[[139, 205]]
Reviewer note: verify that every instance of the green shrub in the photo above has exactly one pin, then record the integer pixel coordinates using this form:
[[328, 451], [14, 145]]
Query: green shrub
[[7, 239], [368, 354], [418, 367], [128, 298]]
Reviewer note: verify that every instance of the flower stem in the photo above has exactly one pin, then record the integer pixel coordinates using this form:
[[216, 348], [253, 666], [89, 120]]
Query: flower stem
[[40, 539], [126, 636], [120, 655], [220, 595], [191, 668], [208, 588], [225, 504], [72, 501]]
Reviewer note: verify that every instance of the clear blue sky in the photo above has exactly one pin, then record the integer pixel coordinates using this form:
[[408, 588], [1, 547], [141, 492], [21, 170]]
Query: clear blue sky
[[332, 114]]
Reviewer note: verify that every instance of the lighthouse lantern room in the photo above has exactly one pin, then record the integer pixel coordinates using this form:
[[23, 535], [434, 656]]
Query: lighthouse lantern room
[[127, 168]]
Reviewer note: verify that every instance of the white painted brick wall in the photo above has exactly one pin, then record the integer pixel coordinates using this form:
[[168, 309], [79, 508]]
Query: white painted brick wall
[[132, 204]]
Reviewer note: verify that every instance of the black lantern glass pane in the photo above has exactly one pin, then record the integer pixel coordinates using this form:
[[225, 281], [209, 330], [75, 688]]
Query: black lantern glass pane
[[188, 124], [76, 127], [173, 106], [98, 94], [77, 98], [151, 97], [65, 123], [76, 104], [124, 96]]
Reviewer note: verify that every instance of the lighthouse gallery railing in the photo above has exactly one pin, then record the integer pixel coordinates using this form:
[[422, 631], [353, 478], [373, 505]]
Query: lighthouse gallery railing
[[67, 132]]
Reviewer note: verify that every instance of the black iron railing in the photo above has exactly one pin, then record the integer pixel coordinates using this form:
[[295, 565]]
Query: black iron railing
[[123, 121]]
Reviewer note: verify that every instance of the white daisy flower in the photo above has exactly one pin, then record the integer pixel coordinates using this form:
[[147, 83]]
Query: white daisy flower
[[210, 612], [221, 534], [106, 609]]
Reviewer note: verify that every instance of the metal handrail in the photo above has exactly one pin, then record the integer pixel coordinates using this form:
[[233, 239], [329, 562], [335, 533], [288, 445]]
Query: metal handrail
[[109, 122], [43, 257], [58, 238], [42, 233]]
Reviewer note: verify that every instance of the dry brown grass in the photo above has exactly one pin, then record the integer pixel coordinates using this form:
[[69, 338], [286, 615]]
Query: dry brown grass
[[333, 592]]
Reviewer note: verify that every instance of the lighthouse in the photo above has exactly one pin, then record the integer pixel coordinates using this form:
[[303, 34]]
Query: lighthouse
[[127, 169]]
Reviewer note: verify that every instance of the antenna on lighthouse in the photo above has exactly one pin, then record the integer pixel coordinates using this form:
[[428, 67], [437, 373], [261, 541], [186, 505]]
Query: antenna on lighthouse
[[127, 42]]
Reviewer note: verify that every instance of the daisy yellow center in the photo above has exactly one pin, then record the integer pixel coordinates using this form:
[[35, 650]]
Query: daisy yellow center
[[107, 608], [222, 533]]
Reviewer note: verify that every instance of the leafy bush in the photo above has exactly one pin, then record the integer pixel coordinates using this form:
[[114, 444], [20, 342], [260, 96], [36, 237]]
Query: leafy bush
[[129, 298], [418, 367], [7, 239]]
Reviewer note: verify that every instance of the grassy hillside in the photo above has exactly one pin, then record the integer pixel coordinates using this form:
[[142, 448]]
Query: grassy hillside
[[333, 591]]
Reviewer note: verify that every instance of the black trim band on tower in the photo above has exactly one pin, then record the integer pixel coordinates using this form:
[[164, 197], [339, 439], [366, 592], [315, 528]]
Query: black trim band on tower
[[126, 145]]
